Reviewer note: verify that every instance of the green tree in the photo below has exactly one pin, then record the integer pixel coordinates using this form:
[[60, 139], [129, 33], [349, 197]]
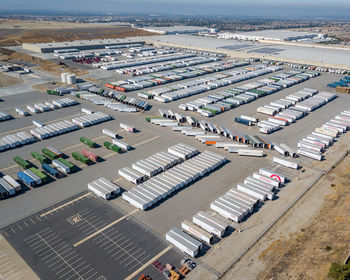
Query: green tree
[[339, 271]]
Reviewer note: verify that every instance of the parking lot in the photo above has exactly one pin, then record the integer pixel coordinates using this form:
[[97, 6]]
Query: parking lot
[[56, 240], [57, 243]]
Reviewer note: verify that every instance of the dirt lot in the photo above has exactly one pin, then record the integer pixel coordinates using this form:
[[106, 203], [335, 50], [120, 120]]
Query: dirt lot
[[308, 255], [16, 32], [6, 80], [43, 65]]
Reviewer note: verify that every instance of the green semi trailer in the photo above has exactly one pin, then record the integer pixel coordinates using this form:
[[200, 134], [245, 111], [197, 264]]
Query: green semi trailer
[[112, 147], [70, 165], [21, 162], [80, 158], [88, 142], [41, 175], [39, 157], [49, 154]]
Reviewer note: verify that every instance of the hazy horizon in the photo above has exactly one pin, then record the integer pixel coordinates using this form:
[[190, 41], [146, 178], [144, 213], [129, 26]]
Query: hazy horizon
[[252, 8]]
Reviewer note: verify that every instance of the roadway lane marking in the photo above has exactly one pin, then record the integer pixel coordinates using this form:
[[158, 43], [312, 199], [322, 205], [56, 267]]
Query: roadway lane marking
[[132, 275], [79, 144], [93, 139], [146, 141], [64, 205], [138, 144], [104, 228], [117, 180]]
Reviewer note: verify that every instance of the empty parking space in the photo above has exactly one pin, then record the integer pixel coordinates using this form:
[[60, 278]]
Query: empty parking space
[[57, 242], [8, 269]]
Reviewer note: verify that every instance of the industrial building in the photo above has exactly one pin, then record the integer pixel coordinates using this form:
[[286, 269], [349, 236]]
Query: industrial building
[[176, 30], [272, 35], [79, 45]]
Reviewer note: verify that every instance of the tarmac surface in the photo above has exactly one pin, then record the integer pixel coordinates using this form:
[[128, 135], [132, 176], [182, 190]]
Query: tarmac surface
[[49, 242], [154, 223]]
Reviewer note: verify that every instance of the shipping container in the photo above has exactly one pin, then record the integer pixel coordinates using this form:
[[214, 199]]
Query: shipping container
[[35, 177], [61, 167], [121, 144], [39, 157], [286, 163], [210, 224], [41, 175], [21, 162], [49, 154], [12, 182], [197, 232], [27, 180], [71, 166], [243, 121], [90, 155], [52, 171], [112, 147], [184, 242], [310, 154], [127, 127], [55, 151], [110, 133], [279, 149], [252, 153], [8, 187], [88, 142], [80, 158], [272, 174]]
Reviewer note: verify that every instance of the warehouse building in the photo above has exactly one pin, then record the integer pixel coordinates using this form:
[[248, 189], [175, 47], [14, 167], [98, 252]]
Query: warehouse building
[[272, 35], [79, 45], [176, 30]]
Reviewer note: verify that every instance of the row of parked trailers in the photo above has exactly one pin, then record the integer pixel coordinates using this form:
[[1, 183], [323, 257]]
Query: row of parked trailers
[[45, 131], [141, 61], [172, 76], [286, 111], [104, 188], [200, 128], [168, 65], [234, 97], [51, 130], [211, 82], [157, 163], [235, 205], [8, 186], [201, 230], [314, 145], [48, 106], [238, 203], [115, 106], [91, 119], [162, 185], [15, 140], [124, 104], [32, 177]]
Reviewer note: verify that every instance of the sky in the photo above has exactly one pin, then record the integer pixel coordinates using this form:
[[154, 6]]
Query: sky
[[262, 8]]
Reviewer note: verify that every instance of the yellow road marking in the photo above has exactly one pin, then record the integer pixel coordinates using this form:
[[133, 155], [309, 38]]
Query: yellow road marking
[[9, 167], [117, 180], [79, 144], [64, 205], [104, 228], [131, 276], [138, 144], [146, 141]]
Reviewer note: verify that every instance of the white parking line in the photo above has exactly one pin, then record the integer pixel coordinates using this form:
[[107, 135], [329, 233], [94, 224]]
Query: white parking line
[[126, 251], [93, 275]]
